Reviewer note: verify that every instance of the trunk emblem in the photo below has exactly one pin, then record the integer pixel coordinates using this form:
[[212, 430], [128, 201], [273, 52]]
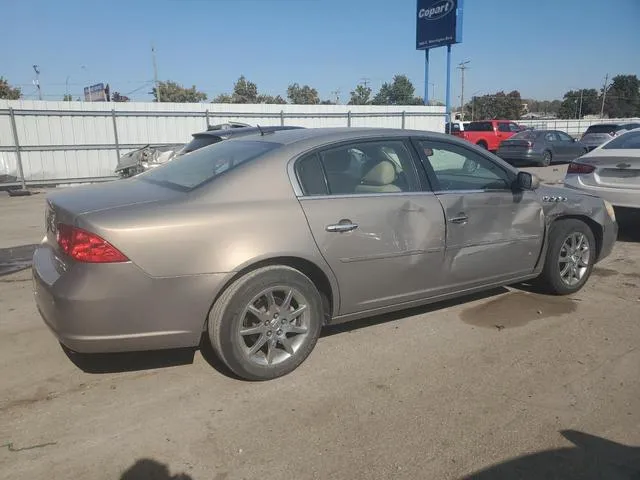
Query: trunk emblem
[[623, 165]]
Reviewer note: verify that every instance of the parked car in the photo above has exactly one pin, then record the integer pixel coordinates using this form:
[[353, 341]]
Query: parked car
[[261, 240], [611, 172], [489, 133], [600, 133], [541, 147], [455, 127], [149, 157]]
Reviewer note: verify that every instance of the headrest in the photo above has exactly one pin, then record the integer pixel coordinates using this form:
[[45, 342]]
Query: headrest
[[383, 173]]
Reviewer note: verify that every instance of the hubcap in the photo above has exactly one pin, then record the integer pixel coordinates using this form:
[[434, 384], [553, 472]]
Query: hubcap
[[575, 255], [275, 324]]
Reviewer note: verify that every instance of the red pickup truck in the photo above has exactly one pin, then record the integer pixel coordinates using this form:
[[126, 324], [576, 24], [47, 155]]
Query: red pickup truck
[[489, 133]]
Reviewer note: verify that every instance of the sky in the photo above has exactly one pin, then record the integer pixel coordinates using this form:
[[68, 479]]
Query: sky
[[541, 48]]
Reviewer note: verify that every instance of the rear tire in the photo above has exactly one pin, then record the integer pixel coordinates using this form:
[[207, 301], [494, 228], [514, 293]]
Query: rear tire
[[547, 158], [266, 323], [567, 269]]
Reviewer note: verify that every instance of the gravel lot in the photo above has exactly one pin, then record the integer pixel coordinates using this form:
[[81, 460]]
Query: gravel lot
[[508, 384]]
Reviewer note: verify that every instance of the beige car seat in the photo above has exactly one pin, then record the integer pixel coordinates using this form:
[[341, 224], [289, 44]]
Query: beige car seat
[[379, 179]]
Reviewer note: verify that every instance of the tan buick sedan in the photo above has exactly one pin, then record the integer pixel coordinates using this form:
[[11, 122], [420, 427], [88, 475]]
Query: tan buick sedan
[[262, 240]]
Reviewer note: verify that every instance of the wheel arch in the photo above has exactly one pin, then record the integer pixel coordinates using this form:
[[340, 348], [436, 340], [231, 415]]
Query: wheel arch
[[323, 281], [596, 228]]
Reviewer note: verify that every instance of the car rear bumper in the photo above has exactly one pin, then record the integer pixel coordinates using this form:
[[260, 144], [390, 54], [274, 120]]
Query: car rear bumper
[[618, 197], [522, 155], [104, 308]]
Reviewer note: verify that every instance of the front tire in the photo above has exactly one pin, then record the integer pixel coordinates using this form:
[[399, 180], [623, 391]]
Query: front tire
[[266, 323], [570, 257]]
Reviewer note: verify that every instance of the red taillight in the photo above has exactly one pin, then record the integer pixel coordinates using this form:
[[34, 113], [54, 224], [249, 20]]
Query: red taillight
[[87, 247], [575, 167]]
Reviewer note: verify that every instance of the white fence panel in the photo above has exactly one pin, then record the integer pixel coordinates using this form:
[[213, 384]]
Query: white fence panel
[[76, 141]]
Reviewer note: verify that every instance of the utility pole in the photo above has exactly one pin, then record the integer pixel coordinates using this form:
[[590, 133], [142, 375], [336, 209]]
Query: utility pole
[[155, 73], [36, 68], [581, 92], [604, 95], [337, 94], [462, 66]]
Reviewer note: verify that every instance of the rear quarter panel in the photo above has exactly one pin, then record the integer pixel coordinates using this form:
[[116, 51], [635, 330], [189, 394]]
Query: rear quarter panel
[[245, 216]]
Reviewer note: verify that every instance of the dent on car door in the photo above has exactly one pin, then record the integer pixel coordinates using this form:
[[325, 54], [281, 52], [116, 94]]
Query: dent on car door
[[382, 236], [493, 231]]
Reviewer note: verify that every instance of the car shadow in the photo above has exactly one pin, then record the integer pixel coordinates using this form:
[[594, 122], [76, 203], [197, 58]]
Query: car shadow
[[119, 362], [149, 469], [331, 330], [590, 457], [628, 226]]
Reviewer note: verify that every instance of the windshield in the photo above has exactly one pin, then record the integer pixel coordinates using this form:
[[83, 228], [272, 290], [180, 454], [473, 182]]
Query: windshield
[[626, 141], [203, 165], [525, 135], [602, 129]]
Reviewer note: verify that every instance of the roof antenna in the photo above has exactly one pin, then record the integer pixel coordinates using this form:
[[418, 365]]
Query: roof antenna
[[261, 131]]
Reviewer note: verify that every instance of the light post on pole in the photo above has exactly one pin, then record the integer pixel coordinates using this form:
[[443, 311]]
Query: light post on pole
[[462, 66]]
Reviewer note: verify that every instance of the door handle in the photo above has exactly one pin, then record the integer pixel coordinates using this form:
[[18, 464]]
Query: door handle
[[342, 226], [460, 219]]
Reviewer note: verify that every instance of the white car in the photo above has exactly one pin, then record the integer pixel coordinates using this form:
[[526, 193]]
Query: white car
[[611, 171]]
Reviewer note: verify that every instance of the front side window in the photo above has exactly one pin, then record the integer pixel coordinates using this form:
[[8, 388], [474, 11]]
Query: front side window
[[513, 127], [360, 168], [551, 137], [457, 168], [204, 164], [503, 127], [564, 137], [479, 127]]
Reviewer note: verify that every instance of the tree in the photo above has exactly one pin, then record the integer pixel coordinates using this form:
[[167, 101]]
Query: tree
[[399, 92], [304, 95], [543, 106], [67, 98], [174, 92], [497, 106], [270, 99], [223, 98], [244, 91], [579, 102], [7, 91], [623, 97], [117, 97], [360, 96]]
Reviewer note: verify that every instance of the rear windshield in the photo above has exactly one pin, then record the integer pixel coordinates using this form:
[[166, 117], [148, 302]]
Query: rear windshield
[[628, 140], [525, 135], [198, 142], [201, 166], [605, 128], [479, 127]]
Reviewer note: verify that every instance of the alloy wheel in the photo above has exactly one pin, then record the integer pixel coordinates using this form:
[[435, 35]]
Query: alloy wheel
[[574, 258]]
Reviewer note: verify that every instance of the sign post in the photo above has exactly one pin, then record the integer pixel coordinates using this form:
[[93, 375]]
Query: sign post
[[438, 23]]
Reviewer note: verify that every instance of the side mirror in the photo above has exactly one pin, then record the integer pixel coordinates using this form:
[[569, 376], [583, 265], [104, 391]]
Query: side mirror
[[527, 181]]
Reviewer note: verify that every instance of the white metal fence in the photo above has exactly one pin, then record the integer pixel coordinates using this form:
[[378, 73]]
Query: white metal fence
[[574, 128], [64, 142]]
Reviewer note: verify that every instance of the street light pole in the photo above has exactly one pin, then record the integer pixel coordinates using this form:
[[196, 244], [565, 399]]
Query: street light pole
[[36, 68], [462, 66], [604, 95]]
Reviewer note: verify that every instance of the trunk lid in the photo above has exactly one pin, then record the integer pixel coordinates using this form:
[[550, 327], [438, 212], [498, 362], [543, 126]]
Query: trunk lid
[[613, 171], [515, 144]]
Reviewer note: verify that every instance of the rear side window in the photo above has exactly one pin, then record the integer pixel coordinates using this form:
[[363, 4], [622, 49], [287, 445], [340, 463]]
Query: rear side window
[[311, 176], [503, 127], [203, 165], [479, 127], [628, 140]]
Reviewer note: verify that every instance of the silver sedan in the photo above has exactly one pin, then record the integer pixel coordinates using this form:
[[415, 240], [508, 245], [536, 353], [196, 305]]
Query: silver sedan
[[611, 171], [260, 241]]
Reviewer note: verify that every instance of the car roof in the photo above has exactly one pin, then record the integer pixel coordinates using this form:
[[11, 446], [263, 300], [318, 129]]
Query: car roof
[[242, 131], [333, 135]]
